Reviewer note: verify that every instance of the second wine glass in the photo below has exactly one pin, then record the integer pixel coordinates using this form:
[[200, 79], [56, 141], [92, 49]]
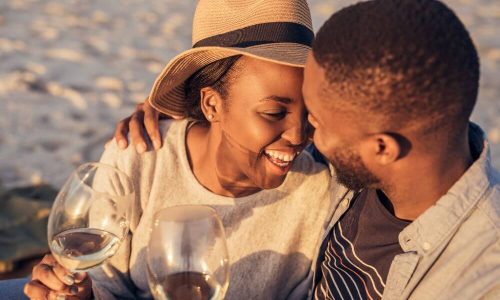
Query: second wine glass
[[187, 254]]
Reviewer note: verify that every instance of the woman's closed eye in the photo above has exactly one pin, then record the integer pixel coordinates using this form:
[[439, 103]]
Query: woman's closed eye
[[273, 115]]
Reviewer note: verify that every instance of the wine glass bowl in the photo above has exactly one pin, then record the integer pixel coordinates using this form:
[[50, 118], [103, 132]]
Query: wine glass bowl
[[89, 217], [187, 254]]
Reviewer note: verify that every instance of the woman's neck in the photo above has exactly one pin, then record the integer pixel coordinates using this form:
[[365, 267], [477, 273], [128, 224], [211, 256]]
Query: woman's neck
[[212, 166]]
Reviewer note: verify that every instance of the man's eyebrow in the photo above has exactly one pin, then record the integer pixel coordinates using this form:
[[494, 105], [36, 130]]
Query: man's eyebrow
[[283, 100]]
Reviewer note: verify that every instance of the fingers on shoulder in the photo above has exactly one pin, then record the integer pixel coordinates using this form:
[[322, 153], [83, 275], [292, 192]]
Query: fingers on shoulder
[[121, 132]]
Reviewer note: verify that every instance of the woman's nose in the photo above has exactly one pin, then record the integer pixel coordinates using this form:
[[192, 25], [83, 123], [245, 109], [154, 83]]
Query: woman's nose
[[296, 133]]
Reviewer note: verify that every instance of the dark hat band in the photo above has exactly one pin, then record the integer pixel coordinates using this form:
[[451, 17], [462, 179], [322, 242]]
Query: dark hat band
[[260, 34]]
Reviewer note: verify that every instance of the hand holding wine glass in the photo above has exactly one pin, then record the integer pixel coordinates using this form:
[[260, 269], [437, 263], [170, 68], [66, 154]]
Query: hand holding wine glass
[[87, 223], [187, 254], [89, 217], [50, 280]]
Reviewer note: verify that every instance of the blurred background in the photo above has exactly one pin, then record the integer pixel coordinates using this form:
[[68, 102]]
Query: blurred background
[[70, 69]]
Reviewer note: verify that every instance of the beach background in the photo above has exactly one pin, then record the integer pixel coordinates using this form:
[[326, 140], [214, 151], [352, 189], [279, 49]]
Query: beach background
[[71, 69]]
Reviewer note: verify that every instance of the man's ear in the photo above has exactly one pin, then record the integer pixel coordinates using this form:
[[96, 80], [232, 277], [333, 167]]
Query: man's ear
[[381, 149], [211, 104]]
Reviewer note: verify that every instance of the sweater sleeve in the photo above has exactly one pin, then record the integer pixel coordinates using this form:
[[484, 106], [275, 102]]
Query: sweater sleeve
[[112, 279]]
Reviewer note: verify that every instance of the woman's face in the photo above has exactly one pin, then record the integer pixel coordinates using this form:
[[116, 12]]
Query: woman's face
[[263, 122]]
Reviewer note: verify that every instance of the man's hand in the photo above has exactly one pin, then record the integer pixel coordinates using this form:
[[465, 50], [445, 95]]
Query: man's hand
[[141, 125]]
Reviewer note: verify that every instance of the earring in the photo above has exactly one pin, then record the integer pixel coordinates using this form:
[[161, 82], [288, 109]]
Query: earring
[[210, 117]]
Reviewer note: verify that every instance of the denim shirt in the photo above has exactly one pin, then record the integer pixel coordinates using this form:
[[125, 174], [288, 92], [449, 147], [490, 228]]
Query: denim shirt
[[452, 250]]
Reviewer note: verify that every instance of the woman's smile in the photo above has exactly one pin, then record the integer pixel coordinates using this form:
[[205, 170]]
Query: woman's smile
[[280, 160]]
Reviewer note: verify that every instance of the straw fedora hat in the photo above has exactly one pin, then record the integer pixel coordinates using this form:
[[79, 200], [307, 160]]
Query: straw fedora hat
[[278, 31]]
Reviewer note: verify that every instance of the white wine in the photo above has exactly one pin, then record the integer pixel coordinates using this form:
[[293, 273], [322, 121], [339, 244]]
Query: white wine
[[83, 248], [187, 286]]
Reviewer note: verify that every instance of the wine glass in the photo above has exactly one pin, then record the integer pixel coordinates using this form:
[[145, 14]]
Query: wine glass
[[187, 254], [89, 217]]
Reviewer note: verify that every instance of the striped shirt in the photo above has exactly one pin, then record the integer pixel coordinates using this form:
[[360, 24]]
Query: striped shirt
[[360, 250]]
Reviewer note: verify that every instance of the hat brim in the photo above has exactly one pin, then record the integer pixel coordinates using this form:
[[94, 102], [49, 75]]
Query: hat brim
[[167, 94]]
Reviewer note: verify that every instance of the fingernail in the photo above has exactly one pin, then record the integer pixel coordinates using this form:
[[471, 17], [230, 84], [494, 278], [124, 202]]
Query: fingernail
[[141, 148], [122, 144], [156, 144], [61, 297], [73, 290], [68, 279]]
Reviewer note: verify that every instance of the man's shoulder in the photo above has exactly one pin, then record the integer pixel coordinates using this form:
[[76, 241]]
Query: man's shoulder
[[479, 231], [484, 218], [478, 237], [489, 206], [470, 262], [483, 223]]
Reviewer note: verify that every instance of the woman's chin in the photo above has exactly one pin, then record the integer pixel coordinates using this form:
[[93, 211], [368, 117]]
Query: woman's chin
[[275, 174]]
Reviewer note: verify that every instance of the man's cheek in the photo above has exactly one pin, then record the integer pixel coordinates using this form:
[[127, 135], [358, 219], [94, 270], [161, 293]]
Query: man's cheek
[[319, 141], [323, 145]]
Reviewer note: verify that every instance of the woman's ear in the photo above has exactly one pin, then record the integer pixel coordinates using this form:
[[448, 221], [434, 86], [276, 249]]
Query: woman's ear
[[380, 149], [211, 104]]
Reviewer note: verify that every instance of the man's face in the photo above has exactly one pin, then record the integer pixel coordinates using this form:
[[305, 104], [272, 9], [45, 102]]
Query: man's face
[[337, 134]]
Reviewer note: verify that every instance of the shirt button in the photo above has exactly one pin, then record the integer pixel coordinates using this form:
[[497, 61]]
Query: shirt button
[[426, 246]]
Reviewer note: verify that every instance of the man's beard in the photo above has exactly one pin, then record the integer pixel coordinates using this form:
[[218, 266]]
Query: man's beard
[[351, 171]]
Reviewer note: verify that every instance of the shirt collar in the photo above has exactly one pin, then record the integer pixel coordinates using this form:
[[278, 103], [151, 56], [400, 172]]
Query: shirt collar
[[437, 223]]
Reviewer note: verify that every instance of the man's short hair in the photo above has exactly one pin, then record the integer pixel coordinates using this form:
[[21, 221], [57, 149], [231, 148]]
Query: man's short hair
[[403, 60]]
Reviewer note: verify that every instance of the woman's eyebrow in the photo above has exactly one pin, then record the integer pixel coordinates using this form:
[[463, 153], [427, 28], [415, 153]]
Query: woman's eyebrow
[[283, 100]]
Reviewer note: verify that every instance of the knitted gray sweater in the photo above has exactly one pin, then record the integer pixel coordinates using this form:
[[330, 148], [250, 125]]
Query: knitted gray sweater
[[272, 235]]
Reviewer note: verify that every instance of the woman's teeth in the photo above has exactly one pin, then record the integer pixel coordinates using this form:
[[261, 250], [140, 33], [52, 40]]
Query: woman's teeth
[[281, 159], [283, 156]]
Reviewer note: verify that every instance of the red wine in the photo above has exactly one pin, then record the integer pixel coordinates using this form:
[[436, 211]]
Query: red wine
[[187, 286]]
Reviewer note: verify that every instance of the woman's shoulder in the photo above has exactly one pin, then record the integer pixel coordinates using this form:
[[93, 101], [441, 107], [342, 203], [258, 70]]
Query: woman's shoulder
[[308, 173], [170, 131], [152, 168], [308, 179], [306, 163]]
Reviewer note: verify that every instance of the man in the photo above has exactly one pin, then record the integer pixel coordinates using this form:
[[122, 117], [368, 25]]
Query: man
[[390, 87]]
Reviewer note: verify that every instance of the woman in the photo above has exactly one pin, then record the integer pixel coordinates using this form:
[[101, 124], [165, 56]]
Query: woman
[[240, 86]]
